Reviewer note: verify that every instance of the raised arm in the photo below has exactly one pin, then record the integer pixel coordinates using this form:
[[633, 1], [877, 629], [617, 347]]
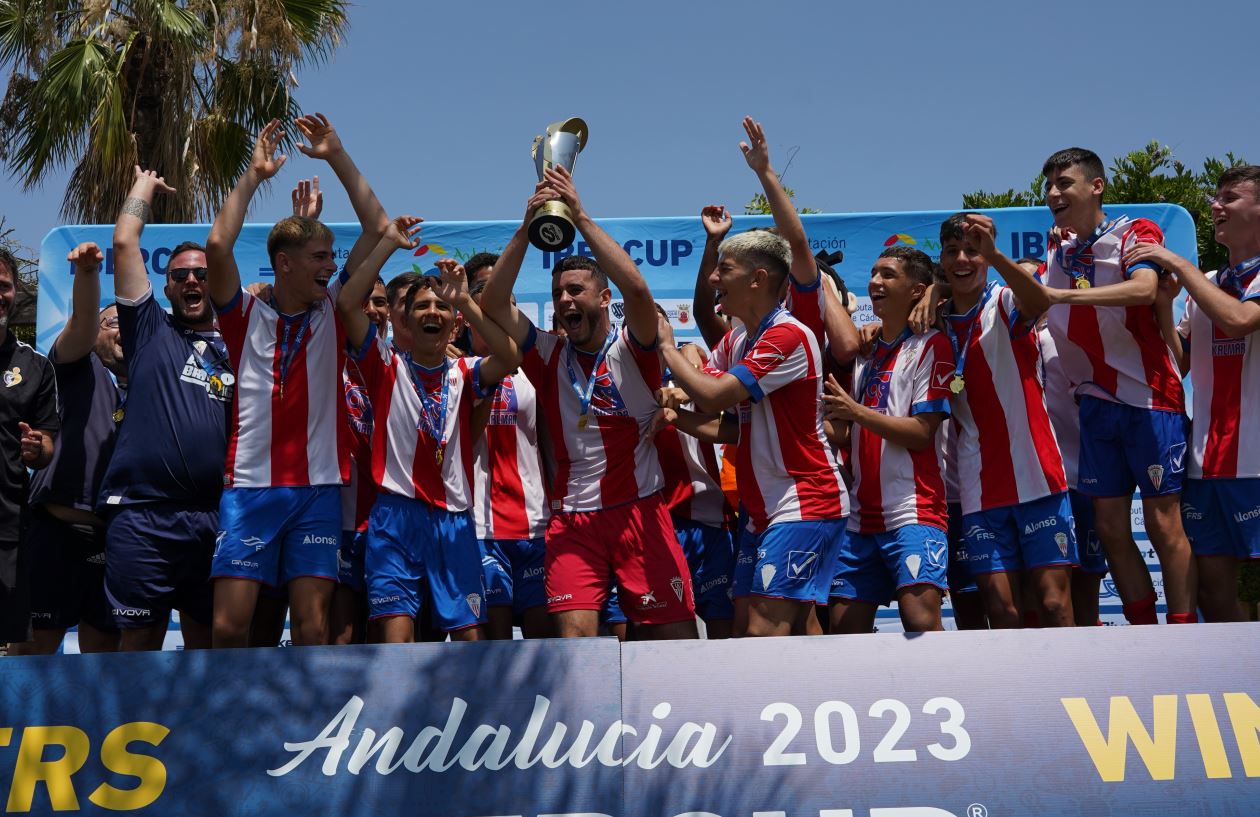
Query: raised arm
[[612, 259], [78, 336], [307, 198], [1031, 296], [842, 334], [717, 223], [504, 355], [402, 233], [326, 144], [131, 278], [225, 278], [496, 298], [757, 154], [1236, 318]]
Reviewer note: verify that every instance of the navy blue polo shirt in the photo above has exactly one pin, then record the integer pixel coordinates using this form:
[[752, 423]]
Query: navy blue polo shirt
[[173, 439], [89, 399], [28, 394]]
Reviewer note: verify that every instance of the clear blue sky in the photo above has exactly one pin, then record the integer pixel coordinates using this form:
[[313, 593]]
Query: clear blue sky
[[893, 105]]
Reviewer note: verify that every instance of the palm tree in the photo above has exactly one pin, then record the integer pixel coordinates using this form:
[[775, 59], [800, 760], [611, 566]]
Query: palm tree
[[179, 86]]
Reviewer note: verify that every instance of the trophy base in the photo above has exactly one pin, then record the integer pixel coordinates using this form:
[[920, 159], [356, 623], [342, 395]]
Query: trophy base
[[552, 228]]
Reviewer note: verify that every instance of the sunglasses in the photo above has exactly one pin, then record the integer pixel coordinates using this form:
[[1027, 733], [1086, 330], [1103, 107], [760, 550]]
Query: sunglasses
[[181, 273]]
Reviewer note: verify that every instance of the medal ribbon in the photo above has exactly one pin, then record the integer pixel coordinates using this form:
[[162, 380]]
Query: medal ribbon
[[960, 355], [287, 352], [1237, 277], [1069, 266], [584, 395], [877, 361], [211, 369], [431, 423]]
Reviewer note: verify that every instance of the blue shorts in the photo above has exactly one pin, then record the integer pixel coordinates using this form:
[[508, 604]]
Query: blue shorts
[[874, 566], [1088, 545], [67, 573], [1123, 446], [513, 572], [959, 572], [791, 560], [157, 559], [745, 562], [410, 541], [1222, 517], [350, 570], [711, 560], [273, 535], [610, 612], [1029, 535]]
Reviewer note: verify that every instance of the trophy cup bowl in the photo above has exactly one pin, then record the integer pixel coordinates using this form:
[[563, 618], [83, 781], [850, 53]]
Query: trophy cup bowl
[[552, 228]]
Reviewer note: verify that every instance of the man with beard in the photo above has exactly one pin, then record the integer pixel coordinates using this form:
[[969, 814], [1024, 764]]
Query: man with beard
[[160, 494], [66, 539], [597, 390]]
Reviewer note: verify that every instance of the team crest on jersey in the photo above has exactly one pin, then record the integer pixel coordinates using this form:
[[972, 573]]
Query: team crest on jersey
[[605, 399], [358, 408], [676, 584], [218, 384], [1156, 473], [877, 388], [474, 604], [12, 377], [504, 404], [1061, 540]]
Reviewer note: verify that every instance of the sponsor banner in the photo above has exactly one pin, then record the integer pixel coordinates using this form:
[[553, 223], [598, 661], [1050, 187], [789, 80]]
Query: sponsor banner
[[1009, 724], [667, 251], [1140, 720], [451, 730]]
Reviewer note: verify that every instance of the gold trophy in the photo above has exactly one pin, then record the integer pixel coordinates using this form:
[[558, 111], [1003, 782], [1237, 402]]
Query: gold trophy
[[552, 228]]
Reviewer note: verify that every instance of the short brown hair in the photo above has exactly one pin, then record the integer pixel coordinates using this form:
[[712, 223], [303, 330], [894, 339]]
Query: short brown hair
[[293, 232]]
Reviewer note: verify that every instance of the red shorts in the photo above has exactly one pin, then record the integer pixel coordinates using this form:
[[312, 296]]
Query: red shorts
[[635, 542]]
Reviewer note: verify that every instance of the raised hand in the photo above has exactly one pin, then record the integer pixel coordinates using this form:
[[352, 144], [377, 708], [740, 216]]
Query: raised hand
[[264, 162], [664, 331], [323, 138], [307, 199], [404, 232], [543, 193], [559, 180], [867, 333], [452, 286], [86, 257], [980, 232], [716, 221], [151, 180], [756, 151]]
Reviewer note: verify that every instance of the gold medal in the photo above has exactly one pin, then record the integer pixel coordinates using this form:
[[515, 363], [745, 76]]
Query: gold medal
[[957, 384], [437, 457], [118, 415], [1082, 283], [582, 422]]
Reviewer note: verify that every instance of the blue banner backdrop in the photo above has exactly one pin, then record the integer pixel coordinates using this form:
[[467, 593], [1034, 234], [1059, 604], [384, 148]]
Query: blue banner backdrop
[[667, 250], [1098, 721]]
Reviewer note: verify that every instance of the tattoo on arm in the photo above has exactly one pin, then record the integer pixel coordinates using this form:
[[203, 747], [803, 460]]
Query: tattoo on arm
[[139, 208]]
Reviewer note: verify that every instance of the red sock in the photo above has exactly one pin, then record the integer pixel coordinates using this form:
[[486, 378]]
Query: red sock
[[1182, 618], [1032, 620], [1142, 612]]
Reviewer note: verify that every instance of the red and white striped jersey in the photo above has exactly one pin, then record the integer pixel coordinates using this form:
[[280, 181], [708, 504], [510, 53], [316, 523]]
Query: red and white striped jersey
[[1006, 445], [509, 499], [405, 455], [1115, 353], [693, 487], [894, 486], [1065, 414], [1225, 373], [947, 434], [785, 465], [288, 421], [612, 460], [359, 496]]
